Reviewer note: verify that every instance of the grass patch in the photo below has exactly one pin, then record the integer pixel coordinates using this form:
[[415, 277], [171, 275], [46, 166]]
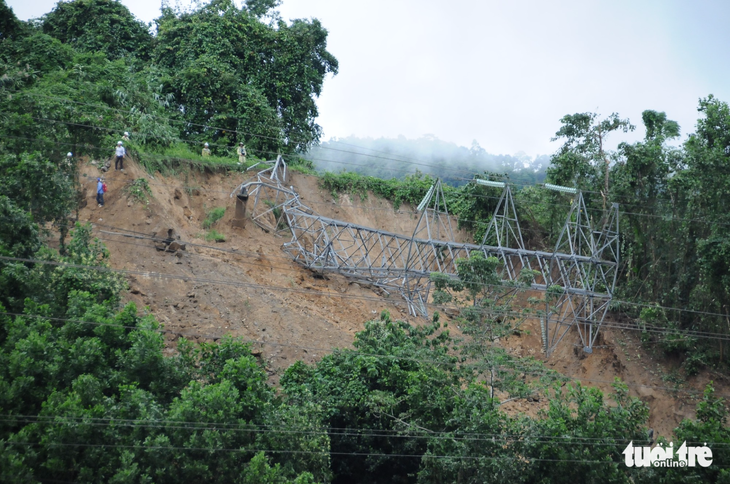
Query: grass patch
[[178, 157], [411, 190], [214, 216], [139, 190], [215, 236]]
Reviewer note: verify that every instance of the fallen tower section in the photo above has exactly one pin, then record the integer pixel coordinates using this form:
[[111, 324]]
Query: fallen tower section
[[578, 277]]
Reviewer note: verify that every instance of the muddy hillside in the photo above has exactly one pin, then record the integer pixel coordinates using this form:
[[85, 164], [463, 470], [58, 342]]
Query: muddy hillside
[[243, 284]]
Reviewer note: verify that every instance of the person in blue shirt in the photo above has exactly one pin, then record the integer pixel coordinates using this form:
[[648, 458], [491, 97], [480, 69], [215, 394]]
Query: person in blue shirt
[[100, 192]]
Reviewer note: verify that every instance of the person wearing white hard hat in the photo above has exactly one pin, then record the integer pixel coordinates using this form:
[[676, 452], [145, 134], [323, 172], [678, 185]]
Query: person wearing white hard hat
[[206, 150], [126, 136], [120, 152], [68, 162]]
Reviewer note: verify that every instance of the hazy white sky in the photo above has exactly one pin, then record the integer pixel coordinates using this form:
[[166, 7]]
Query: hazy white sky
[[505, 72]]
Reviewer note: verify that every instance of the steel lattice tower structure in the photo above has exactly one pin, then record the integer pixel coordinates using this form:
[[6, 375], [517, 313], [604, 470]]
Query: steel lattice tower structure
[[578, 277]]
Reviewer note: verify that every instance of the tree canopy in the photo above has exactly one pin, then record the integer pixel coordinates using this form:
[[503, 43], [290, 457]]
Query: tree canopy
[[217, 74], [87, 393]]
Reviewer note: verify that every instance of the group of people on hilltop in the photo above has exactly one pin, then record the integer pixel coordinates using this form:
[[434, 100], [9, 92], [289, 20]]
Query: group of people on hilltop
[[240, 151], [120, 152]]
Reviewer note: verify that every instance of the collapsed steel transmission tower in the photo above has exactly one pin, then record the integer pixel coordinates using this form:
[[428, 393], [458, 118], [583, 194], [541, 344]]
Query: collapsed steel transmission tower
[[578, 277]]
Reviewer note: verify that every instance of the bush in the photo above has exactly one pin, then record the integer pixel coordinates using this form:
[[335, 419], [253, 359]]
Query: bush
[[139, 190], [214, 216], [214, 235]]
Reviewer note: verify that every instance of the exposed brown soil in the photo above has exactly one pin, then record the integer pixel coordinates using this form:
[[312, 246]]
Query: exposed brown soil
[[248, 287]]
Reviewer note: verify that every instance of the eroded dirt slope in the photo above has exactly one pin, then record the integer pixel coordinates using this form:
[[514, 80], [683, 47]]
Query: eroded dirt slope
[[248, 287]]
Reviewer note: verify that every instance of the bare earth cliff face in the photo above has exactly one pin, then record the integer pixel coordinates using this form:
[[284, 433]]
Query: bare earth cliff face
[[248, 287]]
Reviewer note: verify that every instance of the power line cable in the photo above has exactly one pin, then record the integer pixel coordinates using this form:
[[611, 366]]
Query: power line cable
[[522, 459], [514, 367], [427, 434], [405, 160], [597, 211], [151, 274], [485, 285]]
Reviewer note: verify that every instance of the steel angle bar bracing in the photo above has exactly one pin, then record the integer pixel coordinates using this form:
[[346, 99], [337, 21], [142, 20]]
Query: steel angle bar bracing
[[434, 221], [587, 286], [275, 171], [504, 227], [424, 257], [578, 276], [269, 200]]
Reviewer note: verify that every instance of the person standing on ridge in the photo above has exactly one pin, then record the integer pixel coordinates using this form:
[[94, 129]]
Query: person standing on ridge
[[126, 136], [120, 152], [206, 150], [100, 192], [241, 150]]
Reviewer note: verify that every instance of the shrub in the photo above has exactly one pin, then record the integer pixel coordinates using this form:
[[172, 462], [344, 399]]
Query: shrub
[[139, 190], [214, 215], [214, 235]]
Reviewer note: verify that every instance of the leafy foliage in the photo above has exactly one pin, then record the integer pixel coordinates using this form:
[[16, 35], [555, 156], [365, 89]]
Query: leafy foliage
[[214, 236], [230, 73], [214, 215], [139, 190], [86, 393], [99, 26]]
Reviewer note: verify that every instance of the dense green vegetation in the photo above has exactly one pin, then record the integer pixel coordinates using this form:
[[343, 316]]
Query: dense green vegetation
[[86, 393], [673, 220], [89, 71]]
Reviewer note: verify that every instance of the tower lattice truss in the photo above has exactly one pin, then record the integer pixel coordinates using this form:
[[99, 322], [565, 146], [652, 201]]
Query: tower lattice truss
[[578, 277]]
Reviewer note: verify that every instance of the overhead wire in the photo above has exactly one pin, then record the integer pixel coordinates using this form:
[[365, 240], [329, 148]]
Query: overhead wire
[[597, 211], [624, 302], [323, 453], [426, 434], [369, 454], [643, 327], [454, 435], [486, 285], [514, 367], [389, 158], [461, 220], [125, 111]]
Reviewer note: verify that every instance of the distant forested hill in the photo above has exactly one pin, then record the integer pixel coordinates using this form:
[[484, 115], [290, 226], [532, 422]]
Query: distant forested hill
[[397, 157]]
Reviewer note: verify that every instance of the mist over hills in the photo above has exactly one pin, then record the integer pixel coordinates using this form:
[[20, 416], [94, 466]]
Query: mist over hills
[[398, 157]]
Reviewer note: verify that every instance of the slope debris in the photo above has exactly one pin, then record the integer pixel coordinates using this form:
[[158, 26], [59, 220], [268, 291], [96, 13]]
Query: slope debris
[[243, 284]]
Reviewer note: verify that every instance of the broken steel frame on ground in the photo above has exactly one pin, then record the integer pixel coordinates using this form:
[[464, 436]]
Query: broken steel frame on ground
[[579, 275]]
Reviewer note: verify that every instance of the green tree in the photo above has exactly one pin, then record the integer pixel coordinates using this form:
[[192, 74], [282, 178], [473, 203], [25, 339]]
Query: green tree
[[642, 184], [580, 437], [583, 161], [99, 26], [232, 75], [486, 317], [10, 26], [389, 393]]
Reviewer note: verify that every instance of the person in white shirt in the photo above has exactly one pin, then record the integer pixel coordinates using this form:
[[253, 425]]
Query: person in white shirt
[[121, 152]]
